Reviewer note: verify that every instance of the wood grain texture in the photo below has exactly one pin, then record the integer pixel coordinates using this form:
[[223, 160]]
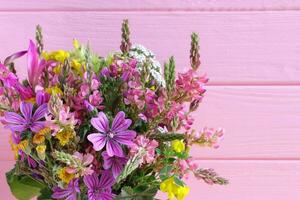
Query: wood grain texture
[[249, 180], [142, 5], [260, 123], [238, 48]]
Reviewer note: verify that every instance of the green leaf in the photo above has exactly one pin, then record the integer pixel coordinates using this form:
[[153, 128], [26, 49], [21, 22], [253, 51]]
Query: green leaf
[[178, 181], [45, 194], [23, 187]]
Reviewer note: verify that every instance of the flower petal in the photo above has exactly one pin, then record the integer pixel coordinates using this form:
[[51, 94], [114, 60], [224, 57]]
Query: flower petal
[[13, 118], [113, 148], [107, 160], [101, 123], [60, 193], [26, 110], [40, 112], [37, 126], [125, 137], [106, 180], [116, 168], [118, 121], [98, 140], [32, 64], [16, 128], [91, 181]]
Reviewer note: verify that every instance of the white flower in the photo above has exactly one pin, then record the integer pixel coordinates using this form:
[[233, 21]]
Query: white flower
[[145, 57]]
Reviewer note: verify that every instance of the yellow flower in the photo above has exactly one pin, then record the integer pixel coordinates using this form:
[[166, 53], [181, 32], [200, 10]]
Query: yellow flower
[[76, 44], [23, 145], [55, 90], [40, 149], [178, 146], [77, 66], [64, 175], [39, 137], [182, 191], [57, 69], [152, 87], [169, 186], [59, 55], [65, 135], [14, 148]]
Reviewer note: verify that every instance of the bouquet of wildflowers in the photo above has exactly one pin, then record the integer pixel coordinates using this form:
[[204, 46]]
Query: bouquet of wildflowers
[[100, 128]]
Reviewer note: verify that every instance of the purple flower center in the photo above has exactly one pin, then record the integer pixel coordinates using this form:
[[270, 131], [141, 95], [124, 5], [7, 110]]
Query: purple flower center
[[110, 134]]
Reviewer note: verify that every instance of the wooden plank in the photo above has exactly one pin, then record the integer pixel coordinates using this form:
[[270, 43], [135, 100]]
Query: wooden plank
[[237, 48], [249, 180], [260, 122], [133, 5]]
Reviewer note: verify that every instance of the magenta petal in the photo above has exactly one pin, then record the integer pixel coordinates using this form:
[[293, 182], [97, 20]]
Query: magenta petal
[[32, 64], [107, 160], [37, 126], [125, 137], [91, 180], [100, 123], [16, 128], [106, 181], [116, 169], [14, 56], [98, 140], [40, 112], [124, 126], [118, 120], [13, 118], [26, 110], [60, 193], [113, 148], [106, 196]]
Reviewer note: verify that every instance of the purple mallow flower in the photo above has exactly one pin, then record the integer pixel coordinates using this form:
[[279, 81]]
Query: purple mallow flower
[[69, 193], [99, 189], [27, 120], [115, 163], [112, 136]]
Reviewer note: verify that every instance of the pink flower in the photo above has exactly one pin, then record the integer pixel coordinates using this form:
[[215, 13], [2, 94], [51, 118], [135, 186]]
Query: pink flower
[[66, 117], [84, 90], [210, 137], [8, 78], [95, 84], [148, 145], [190, 85], [84, 166], [95, 99]]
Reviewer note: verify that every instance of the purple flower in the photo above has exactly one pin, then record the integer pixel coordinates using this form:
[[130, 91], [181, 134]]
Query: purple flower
[[42, 97], [111, 137], [68, 193], [20, 123], [115, 163], [99, 189]]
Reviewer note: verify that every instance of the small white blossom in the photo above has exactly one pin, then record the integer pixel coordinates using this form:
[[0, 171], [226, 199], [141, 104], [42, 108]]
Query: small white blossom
[[145, 57]]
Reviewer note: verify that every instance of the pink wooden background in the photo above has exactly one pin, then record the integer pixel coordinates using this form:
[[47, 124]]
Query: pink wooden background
[[250, 50]]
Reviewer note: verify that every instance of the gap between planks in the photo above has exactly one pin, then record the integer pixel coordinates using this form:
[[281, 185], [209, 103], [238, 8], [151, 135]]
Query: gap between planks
[[156, 10]]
